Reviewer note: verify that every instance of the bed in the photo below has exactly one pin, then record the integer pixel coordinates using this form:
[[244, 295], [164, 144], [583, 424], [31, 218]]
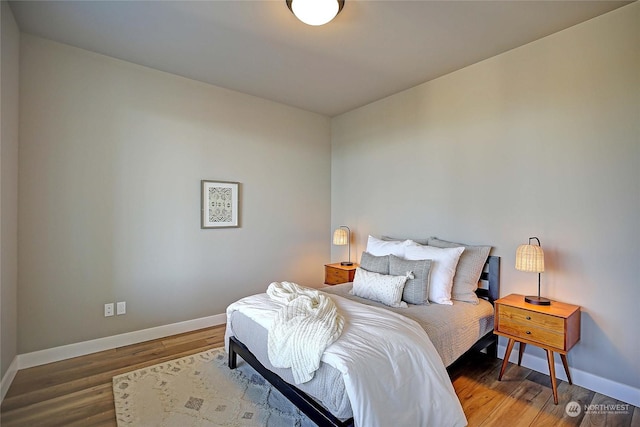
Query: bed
[[453, 329]]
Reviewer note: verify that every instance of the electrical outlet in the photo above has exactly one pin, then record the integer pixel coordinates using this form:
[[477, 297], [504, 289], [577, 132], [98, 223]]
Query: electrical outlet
[[108, 309], [121, 308]]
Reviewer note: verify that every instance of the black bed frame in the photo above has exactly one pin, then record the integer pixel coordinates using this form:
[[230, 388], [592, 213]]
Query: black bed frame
[[318, 413]]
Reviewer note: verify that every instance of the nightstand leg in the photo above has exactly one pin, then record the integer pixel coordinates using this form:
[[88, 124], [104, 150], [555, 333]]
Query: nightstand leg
[[566, 367], [520, 351], [552, 374], [506, 357]]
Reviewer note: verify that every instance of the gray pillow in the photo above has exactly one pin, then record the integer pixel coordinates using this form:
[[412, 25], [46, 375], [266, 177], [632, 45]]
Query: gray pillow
[[468, 271], [375, 264], [416, 290]]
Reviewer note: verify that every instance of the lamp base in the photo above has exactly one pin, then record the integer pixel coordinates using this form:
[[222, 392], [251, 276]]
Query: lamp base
[[537, 300], [345, 263]]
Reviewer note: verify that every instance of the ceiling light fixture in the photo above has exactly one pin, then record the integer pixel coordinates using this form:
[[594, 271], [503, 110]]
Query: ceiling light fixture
[[315, 12]]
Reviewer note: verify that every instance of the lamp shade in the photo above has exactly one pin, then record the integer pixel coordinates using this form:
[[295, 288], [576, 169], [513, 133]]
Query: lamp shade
[[530, 258], [340, 237], [315, 12]]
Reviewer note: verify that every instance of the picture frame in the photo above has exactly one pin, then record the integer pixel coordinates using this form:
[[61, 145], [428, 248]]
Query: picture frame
[[220, 205]]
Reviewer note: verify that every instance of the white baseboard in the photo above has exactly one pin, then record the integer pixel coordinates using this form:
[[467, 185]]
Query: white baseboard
[[584, 379], [8, 377], [56, 354]]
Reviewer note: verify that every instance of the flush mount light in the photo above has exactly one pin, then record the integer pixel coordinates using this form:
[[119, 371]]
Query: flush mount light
[[315, 12]]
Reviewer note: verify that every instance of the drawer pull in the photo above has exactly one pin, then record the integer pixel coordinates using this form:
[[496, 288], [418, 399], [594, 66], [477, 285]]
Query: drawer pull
[[528, 317], [528, 332]]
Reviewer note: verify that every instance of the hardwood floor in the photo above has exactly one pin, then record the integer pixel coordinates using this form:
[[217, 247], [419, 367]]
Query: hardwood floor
[[77, 392], [525, 398]]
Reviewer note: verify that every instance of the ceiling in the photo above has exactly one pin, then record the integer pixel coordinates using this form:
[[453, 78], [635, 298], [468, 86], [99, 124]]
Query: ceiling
[[374, 48]]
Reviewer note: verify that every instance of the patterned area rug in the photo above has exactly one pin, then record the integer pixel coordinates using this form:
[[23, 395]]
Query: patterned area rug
[[200, 390]]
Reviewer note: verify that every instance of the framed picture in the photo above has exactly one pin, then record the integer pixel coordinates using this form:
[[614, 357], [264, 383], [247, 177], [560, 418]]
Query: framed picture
[[220, 207]]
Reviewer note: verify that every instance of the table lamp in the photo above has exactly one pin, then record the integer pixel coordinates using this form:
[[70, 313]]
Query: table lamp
[[342, 236], [531, 258]]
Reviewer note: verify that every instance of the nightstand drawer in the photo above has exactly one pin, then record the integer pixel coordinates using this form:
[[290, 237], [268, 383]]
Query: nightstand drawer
[[531, 332], [334, 276], [532, 319]]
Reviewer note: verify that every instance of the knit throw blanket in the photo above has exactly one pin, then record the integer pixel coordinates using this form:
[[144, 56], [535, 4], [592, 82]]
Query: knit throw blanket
[[307, 323]]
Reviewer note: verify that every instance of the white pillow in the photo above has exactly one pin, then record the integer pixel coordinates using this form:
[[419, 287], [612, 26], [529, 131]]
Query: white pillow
[[379, 287], [379, 247], [443, 268]]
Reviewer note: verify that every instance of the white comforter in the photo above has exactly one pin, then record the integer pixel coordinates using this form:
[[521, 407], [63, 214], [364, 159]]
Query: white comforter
[[392, 372], [302, 329]]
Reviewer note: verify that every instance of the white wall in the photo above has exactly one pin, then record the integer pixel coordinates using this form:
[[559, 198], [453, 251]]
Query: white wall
[[543, 141], [8, 189], [111, 158]]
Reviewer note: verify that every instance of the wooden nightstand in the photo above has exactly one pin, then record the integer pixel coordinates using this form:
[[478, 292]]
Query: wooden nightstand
[[555, 328], [334, 274]]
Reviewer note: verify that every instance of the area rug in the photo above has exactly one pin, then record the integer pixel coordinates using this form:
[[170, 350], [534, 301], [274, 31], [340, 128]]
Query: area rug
[[200, 390]]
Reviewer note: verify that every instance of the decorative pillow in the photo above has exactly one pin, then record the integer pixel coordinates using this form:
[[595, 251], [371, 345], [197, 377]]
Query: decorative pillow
[[418, 241], [379, 287], [443, 268], [416, 290], [468, 271], [379, 247], [376, 264]]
